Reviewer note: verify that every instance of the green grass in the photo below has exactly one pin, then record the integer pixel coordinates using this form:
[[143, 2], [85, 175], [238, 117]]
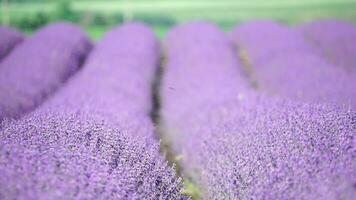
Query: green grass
[[191, 190], [96, 32]]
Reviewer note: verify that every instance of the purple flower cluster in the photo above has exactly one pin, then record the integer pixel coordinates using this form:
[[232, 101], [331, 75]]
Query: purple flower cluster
[[73, 156], [38, 66], [244, 145], [186, 87], [283, 63], [115, 83], [336, 40], [94, 138], [265, 40], [8, 40], [272, 149]]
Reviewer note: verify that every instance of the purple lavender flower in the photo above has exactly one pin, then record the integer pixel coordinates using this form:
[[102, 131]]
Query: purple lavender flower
[[8, 40], [115, 83], [38, 66], [265, 40], [285, 64], [94, 138], [246, 145], [336, 40], [181, 81], [261, 148], [73, 156]]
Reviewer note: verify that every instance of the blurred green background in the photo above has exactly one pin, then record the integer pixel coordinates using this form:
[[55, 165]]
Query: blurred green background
[[97, 16]]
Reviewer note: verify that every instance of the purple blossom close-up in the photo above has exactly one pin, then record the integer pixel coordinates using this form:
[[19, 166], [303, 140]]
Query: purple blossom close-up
[[74, 156]]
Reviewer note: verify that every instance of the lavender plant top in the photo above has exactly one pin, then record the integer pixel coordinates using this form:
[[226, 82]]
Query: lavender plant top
[[307, 78], [252, 146], [285, 65], [82, 144], [260, 148], [9, 38], [115, 83], [72, 156], [336, 40], [189, 56], [38, 66], [264, 40]]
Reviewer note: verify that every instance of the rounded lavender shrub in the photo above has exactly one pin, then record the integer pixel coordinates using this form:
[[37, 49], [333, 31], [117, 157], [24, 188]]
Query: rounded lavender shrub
[[307, 78], [115, 84], [286, 65], [73, 156], [264, 40], [94, 138], [248, 146], [182, 86], [38, 66], [8, 40], [336, 40], [261, 148]]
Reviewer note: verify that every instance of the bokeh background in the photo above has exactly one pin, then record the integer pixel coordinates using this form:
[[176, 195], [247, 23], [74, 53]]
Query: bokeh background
[[96, 16]]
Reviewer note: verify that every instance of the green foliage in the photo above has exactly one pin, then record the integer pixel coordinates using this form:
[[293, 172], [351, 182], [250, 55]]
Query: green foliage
[[65, 12], [191, 190], [100, 15], [99, 19], [31, 22], [155, 20]]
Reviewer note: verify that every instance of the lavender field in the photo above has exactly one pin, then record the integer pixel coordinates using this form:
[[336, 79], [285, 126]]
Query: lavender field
[[265, 111]]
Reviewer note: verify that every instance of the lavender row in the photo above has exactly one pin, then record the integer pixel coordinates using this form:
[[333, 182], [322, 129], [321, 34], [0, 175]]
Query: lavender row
[[335, 39], [115, 83], [184, 86], [246, 145], [38, 66], [8, 40], [266, 40], [271, 149], [92, 133], [200, 75], [286, 65], [56, 155]]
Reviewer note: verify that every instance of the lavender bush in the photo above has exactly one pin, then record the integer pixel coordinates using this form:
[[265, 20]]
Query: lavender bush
[[38, 66], [336, 40], [115, 83], [265, 40], [74, 156], [264, 149], [181, 81], [245, 145], [8, 40], [287, 65], [94, 138]]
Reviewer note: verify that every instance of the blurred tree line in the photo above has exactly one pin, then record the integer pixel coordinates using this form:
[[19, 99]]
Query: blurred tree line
[[64, 11]]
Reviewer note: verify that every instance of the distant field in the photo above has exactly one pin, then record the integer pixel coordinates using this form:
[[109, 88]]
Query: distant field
[[226, 13]]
